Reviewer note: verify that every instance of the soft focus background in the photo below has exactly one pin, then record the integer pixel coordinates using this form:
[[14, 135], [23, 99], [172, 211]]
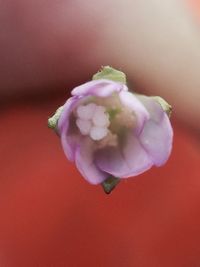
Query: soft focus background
[[51, 217]]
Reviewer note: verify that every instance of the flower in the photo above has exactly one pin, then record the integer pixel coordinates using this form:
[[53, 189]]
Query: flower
[[110, 132]]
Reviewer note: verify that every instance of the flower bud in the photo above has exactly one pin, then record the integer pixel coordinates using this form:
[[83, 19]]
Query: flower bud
[[111, 133]]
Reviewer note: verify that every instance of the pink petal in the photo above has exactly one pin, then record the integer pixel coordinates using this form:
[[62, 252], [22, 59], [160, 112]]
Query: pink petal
[[84, 159], [154, 109], [157, 139], [128, 161], [69, 145], [68, 142], [129, 100], [101, 88], [157, 134]]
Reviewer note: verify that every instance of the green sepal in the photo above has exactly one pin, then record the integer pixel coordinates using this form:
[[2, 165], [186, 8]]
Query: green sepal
[[109, 184], [110, 73], [165, 106], [52, 122]]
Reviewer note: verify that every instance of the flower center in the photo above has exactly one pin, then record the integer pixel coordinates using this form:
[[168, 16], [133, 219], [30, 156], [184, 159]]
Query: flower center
[[104, 123]]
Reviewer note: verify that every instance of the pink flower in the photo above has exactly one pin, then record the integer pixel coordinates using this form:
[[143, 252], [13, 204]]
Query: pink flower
[[108, 131]]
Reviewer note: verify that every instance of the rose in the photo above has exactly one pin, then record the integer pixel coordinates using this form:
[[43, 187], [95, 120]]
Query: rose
[[110, 132]]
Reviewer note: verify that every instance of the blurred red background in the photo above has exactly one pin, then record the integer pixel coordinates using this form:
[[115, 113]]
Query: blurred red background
[[51, 217]]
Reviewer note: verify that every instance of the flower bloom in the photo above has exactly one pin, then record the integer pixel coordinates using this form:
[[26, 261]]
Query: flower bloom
[[108, 131]]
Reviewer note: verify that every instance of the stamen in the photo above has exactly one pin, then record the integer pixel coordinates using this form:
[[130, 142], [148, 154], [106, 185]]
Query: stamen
[[100, 118], [84, 126], [94, 120], [98, 133], [86, 112]]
